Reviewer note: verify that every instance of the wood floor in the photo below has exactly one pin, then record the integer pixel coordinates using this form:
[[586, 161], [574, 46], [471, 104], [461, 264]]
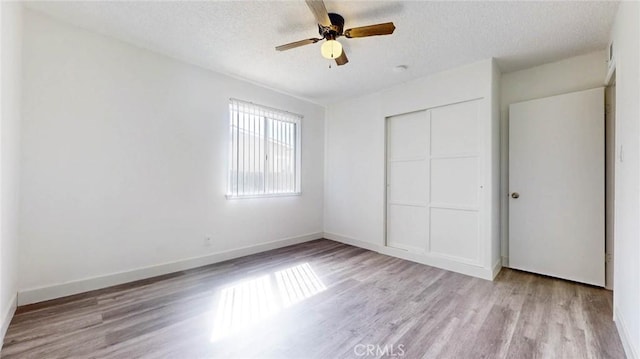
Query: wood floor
[[322, 299]]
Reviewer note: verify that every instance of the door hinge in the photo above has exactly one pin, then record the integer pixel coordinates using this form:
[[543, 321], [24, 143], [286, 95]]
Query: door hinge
[[608, 257]]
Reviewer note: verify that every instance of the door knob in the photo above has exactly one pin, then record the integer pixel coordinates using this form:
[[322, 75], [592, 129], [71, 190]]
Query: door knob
[[515, 195]]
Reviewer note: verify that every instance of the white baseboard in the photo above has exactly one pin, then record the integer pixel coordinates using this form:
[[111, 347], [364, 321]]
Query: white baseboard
[[627, 342], [430, 260], [34, 295], [6, 318], [497, 267], [352, 241]]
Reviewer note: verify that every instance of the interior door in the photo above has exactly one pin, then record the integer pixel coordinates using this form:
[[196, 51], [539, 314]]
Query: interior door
[[407, 181], [556, 184]]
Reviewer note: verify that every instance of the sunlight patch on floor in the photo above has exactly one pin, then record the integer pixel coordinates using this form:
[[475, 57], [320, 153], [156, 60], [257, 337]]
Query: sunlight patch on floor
[[247, 303]]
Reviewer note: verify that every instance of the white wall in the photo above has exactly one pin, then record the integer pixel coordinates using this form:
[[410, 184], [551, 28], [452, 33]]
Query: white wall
[[10, 110], [626, 291], [355, 152], [569, 75], [124, 165], [355, 170]]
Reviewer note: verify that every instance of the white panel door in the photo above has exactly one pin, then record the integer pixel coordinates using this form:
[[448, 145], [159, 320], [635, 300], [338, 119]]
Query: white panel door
[[556, 183], [455, 182], [407, 181]]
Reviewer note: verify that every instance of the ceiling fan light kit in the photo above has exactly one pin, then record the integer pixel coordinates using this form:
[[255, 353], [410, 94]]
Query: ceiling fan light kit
[[331, 49], [330, 27]]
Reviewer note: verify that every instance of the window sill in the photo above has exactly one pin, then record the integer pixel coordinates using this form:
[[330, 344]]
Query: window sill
[[266, 195]]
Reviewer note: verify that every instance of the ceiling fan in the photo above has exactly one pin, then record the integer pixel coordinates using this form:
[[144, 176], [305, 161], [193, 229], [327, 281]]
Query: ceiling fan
[[330, 27]]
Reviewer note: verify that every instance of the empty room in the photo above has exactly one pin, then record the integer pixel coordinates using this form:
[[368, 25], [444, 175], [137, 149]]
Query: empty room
[[320, 179]]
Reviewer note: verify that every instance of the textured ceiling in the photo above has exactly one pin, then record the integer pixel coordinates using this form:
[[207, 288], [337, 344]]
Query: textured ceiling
[[238, 37]]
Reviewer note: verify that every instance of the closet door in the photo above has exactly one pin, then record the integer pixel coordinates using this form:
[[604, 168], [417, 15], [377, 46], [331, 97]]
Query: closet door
[[455, 182], [408, 181]]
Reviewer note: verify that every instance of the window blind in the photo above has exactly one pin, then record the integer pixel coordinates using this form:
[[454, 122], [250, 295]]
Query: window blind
[[264, 151]]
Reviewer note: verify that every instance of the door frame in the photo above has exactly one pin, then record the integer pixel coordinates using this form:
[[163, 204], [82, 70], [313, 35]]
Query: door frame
[[610, 176]]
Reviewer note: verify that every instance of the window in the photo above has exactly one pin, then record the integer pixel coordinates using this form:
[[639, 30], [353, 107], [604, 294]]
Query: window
[[264, 151]]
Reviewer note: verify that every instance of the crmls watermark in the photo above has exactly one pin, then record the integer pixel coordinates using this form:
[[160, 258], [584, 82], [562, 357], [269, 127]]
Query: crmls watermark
[[377, 350]]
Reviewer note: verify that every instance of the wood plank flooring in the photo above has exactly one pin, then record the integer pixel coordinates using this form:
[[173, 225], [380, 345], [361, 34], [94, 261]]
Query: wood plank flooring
[[322, 299]]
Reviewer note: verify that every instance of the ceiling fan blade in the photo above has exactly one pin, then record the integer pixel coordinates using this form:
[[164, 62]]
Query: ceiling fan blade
[[372, 30], [342, 59], [296, 44], [319, 12]]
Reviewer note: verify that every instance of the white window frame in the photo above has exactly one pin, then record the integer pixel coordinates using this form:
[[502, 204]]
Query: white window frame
[[261, 120]]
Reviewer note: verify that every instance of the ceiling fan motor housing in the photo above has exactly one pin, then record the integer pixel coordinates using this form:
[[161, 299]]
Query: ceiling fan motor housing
[[334, 30]]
